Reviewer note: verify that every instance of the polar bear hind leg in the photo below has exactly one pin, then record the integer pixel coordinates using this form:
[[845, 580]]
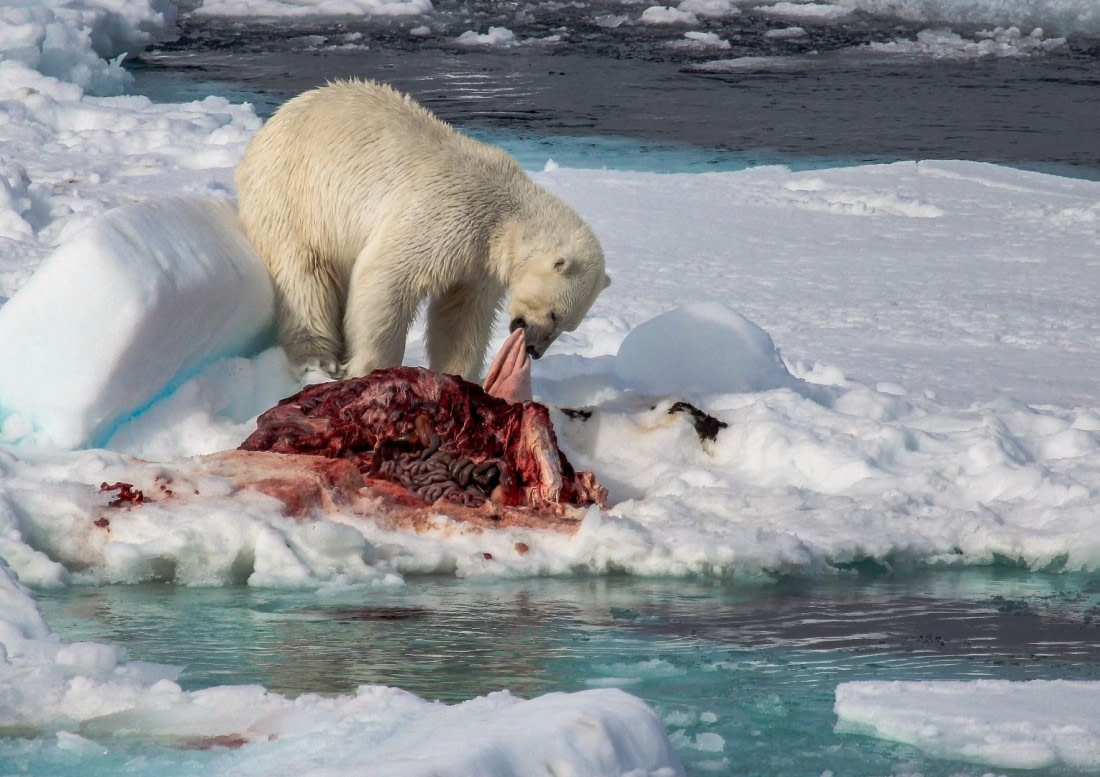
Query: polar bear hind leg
[[310, 326]]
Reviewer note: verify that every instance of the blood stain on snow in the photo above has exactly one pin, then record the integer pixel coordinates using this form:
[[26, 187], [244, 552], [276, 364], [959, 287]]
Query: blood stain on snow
[[127, 494]]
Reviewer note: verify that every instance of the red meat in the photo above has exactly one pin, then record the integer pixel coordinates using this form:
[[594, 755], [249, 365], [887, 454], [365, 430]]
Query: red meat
[[438, 436]]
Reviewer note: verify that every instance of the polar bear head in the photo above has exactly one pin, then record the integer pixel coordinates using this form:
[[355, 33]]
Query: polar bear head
[[557, 273]]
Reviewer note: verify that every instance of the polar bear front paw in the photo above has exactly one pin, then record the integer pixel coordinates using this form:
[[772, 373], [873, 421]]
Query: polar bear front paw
[[315, 371]]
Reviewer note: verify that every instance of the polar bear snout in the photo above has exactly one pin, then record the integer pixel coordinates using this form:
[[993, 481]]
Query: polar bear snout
[[532, 349]]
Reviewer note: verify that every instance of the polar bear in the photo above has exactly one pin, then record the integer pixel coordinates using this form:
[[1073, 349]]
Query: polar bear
[[363, 204]]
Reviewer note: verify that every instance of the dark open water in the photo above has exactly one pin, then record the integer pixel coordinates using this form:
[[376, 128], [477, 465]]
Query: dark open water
[[823, 98]]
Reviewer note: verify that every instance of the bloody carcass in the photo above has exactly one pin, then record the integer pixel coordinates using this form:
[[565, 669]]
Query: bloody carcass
[[425, 438]]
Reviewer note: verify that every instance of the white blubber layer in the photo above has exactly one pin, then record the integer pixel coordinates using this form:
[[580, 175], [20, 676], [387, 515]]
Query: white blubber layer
[[136, 301], [1010, 725]]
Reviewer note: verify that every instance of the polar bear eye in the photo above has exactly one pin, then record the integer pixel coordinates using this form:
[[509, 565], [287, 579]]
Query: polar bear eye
[[554, 318]]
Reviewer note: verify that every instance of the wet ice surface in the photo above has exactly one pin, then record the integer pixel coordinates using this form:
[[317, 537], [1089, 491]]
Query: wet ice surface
[[739, 675], [863, 88]]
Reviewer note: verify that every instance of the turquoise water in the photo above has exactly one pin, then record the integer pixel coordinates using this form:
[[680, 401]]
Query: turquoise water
[[757, 665], [616, 153]]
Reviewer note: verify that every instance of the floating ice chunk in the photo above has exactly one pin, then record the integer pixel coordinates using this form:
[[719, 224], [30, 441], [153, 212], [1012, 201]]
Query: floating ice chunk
[[662, 14], [496, 37], [998, 43], [126, 308], [611, 21], [1010, 725], [822, 11], [1065, 16], [712, 8], [751, 65], [694, 39], [705, 348], [275, 9], [786, 33]]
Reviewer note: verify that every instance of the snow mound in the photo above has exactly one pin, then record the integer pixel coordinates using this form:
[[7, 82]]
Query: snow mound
[[1037, 724], [699, 349], [149, 293]]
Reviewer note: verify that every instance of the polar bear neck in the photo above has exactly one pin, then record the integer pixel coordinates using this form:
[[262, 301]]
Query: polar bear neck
[[539, 225]]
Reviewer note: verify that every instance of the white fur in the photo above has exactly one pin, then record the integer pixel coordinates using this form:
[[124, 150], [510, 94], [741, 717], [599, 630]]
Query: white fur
[[363, 204]]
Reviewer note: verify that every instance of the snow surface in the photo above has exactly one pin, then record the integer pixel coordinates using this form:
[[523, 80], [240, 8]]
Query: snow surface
[[905, 357], [948, 416], [1038, 724]]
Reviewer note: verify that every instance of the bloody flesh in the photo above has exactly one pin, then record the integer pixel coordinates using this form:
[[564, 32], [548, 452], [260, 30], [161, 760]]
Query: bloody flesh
[[404, 423]]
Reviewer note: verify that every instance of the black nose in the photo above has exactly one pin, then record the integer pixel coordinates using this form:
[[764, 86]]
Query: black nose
[[534, 352], [517, 323]]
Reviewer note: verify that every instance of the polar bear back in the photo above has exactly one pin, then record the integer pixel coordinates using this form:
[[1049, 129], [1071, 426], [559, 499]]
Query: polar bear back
[[418, 171]]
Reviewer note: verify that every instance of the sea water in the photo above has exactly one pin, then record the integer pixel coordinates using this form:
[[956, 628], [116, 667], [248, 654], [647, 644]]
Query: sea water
[[589, 93], [743, 675]]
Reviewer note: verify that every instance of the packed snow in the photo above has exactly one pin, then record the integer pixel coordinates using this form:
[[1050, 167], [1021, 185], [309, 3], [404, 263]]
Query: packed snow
[[1040, 724], [948, 418], [903, 356]]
